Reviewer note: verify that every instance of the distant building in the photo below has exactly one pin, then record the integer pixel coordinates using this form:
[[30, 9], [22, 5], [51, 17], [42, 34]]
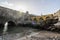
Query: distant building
[[57, 14]]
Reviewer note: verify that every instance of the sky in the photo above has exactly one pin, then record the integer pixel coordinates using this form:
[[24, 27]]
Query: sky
[[36, 7]]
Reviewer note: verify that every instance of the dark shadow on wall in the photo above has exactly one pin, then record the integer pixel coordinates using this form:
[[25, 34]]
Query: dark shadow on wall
[[11, 25], [1, 28]]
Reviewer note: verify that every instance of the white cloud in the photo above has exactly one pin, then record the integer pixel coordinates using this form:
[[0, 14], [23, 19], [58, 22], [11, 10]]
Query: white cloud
[[6, 4]]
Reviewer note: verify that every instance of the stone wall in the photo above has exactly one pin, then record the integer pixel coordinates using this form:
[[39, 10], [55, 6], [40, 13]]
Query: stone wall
[[7, 14]]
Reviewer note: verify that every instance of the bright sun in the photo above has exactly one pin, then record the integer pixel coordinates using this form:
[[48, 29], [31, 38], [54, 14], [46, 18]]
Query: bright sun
[[21, 8]]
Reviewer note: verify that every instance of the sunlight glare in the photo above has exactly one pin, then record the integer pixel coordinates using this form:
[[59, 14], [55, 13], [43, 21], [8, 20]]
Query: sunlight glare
[[21, 8]]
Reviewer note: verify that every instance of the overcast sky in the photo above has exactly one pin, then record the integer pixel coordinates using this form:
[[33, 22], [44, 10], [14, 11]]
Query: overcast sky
[[33, 6]]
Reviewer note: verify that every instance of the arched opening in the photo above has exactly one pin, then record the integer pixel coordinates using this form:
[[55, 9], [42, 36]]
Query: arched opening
[[11, 23], [7, 27]]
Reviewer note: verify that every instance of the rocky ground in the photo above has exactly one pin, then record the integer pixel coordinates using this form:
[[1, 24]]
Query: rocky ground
[[27, 33], [42, 35]]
